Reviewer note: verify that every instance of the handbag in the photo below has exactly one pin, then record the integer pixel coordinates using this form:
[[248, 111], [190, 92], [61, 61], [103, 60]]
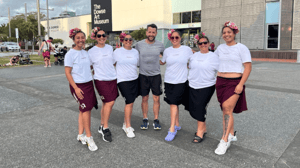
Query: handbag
[[46, 53]]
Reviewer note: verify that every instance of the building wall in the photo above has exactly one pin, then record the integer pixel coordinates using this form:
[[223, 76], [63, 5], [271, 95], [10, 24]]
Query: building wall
[[296, 26], [247, 15], [135, 14], [59, 28], [186, 5], [286, 24]]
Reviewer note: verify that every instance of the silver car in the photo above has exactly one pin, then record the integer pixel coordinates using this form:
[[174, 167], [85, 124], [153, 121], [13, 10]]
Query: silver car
[[9, 46]]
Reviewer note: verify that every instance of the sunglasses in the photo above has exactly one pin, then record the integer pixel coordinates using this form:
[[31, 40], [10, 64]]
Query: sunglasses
[[99, 35], [176, 37], [127, 39], [200, 43]]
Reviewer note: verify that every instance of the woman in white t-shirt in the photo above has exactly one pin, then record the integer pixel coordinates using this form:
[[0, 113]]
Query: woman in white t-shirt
[[234, 70], [105, 78], [203, 67], [78, 73], [126, 59], [176, 58]]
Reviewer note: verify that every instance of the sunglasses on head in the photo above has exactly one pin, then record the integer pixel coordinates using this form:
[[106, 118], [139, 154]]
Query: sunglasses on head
[[200, 43], [176, 37], [99, 35], [127, 39]]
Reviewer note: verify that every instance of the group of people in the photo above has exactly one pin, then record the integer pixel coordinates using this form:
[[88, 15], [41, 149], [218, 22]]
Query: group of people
[[190, 79]]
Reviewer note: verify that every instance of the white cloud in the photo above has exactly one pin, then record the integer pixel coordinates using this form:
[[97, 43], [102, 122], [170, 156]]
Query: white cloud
[[17, 6]]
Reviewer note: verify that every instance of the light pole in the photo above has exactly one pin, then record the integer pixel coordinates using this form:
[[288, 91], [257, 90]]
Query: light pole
[[39, 26]]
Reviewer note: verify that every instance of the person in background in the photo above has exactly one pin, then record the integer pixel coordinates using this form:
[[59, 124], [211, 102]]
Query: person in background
[[46, 48], [78, 73], [234, 70], [212, 47]]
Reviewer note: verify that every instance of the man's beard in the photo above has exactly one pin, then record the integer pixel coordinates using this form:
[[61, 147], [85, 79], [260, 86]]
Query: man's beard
[[148, 37]]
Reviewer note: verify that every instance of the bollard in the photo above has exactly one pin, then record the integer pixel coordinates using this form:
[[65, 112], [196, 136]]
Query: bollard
[[298, 56]]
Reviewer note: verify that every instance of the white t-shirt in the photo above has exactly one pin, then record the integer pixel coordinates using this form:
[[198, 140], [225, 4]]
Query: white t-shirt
[[232, 57], [81, 65], [103, 63], [127, 63], [203, 70], [176, 64]]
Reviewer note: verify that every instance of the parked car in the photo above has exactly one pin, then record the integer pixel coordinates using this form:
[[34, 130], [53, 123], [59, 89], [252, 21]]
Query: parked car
[[9, 46]]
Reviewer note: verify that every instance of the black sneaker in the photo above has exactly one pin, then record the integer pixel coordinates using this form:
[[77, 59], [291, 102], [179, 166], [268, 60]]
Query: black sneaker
[[106, 134], [156, 125], [145, 124]]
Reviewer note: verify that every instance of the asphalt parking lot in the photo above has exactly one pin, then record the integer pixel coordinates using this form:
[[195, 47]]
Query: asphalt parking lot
[[39, 125]]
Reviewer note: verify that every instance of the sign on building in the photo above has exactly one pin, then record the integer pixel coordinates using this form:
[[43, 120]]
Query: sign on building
[[102, 14]]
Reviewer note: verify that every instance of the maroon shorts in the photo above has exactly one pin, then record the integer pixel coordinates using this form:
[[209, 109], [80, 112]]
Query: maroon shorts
[[107, 90], [89, 101], [225, 89]]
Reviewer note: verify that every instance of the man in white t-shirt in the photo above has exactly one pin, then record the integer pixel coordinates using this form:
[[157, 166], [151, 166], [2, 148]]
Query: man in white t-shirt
[[150, 77]]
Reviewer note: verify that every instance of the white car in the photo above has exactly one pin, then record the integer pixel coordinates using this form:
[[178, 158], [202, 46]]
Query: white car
[[9, 46]]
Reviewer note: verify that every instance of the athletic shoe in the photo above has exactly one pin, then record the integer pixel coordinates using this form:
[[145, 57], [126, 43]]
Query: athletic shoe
[[222, 147], [81, 138], [91, 144], [156, 125], [232, 138], [145, 124], [45, 66], [178, 128], [124, 126], [106, 134], [129, 132], [49, 65]]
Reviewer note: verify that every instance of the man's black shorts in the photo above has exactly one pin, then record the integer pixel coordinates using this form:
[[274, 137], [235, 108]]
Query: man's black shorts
[[150, 82]]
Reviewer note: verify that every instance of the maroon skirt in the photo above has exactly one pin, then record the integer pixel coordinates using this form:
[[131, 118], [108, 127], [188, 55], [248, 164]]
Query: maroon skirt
[[107, 90], [225, 89], [89, 101]]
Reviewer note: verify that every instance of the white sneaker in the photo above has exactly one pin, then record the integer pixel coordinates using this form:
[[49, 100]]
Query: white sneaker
[[232, 138], [91, 144], [124, 126], [222, 147], [129, 132], [81, 138]]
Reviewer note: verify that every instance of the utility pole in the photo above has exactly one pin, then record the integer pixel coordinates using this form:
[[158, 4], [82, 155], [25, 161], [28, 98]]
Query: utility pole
[[48, 28], [39, 25], [25, 13], [9, 23], [26, 44]]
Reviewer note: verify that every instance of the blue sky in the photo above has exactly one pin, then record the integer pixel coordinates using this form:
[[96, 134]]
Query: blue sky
[[18, 6]]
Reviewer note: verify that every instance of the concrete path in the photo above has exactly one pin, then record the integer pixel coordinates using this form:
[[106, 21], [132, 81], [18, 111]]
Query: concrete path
[[38, 119]]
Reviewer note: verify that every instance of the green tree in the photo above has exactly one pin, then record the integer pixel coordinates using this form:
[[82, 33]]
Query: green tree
[[27, 30], [139, 34], [90, 41], [61, 41]]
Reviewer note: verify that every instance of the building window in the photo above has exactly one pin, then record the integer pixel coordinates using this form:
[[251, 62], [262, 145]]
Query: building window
[[196, 16], [186, 17], [273, 36], [176, 18]]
